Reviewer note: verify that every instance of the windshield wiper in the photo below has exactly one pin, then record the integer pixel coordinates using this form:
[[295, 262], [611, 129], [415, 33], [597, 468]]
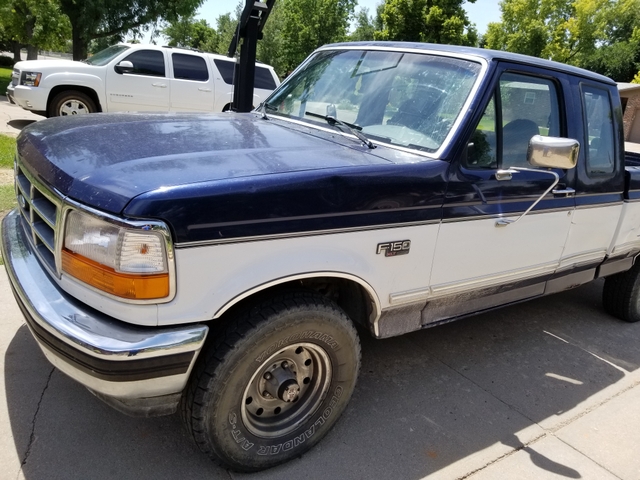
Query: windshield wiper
[[355, 129]]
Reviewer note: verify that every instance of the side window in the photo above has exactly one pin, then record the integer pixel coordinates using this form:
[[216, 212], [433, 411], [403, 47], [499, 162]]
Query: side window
[[599, 128], [483, 152], [522, 107], [226, 68], [189, 67], [264, 79], [147, 62]]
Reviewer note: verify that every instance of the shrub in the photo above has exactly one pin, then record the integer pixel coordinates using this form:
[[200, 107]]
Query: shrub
[[6, 61]]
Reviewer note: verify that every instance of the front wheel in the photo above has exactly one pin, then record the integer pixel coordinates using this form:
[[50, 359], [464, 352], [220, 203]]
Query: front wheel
[[71, 102], [274, 382]]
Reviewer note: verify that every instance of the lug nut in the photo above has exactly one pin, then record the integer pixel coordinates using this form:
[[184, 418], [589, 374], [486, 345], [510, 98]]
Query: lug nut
[[285, 364], [267, 376]]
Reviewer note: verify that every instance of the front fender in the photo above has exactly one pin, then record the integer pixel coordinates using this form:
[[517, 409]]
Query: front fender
[[71, 80], [211, 279]]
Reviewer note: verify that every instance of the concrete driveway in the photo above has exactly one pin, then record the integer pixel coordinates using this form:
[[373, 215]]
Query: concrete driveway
[[14, 118]]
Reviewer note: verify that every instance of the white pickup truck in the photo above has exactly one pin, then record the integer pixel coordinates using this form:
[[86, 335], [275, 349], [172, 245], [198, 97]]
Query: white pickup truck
[[129, 77]]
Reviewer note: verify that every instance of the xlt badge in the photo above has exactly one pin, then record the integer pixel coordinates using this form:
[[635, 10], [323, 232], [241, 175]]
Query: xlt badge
[[391, 249]]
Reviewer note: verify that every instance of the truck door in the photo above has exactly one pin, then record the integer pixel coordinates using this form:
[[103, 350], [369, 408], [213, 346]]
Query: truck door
[[146, 88], [480, 263], [600, 180], [191, 85]]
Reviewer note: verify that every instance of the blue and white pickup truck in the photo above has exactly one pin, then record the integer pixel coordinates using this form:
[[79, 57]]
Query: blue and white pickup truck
[[219, 264]]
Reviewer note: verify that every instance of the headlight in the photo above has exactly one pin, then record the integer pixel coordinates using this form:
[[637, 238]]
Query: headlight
[[30, 79], [125, 262]]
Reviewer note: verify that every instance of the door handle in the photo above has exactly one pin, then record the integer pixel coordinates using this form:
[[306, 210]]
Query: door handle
[[160, 85], [505, 175], [204, 89], [563, 192]]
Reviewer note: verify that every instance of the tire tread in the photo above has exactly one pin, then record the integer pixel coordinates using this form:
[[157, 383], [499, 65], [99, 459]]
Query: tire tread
[[192, 409], [620, 294]]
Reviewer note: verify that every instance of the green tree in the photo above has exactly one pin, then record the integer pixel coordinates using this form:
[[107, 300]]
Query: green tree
[[38, 24], [600, 35], [365, 27], [94, 19], [309, 24], [191, 33], [272, 43], [226, 29], [434, 21]]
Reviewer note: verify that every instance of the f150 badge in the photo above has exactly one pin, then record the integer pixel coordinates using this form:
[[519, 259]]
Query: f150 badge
[[392, 249]]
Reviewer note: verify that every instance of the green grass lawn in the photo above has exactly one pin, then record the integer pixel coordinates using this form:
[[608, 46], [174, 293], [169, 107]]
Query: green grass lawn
[[7, 202], [5, 79], [7, 197], [7, 151], [7, 191]]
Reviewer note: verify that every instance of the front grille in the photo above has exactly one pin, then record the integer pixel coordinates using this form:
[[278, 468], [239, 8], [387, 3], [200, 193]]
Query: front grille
[[41, 211], [15, 77]]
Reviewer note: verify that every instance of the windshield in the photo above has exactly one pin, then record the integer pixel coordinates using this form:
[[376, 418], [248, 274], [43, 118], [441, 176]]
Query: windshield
[[404, 99], [105, 56]]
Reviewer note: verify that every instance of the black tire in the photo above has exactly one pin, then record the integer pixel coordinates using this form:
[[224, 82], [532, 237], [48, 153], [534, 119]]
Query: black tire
[[621, 294], [71, 102], [297, 340]]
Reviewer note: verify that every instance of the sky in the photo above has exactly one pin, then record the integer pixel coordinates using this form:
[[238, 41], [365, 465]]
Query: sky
[[481, 12]]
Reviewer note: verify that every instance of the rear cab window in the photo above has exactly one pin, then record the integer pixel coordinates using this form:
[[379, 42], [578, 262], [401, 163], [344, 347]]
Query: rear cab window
[[599, 130]]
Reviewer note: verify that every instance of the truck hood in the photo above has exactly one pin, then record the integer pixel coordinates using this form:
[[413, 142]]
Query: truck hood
[[105, 160], [49, 65]]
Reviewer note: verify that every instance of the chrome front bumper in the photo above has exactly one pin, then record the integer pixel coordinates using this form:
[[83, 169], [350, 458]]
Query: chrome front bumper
[[125, 363]]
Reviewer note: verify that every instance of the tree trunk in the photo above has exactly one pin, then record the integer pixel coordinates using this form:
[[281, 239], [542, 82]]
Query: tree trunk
[[80, 45], [15, 47], [32, 52]]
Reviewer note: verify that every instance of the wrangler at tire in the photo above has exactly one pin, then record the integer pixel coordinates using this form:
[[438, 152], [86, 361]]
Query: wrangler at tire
[[273, 382]]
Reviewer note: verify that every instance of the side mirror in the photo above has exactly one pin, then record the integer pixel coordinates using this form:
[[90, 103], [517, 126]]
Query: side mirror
[[553, 152], [124, 66]]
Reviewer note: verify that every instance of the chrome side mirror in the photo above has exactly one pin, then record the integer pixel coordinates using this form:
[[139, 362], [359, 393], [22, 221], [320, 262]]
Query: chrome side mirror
[[553, 152]]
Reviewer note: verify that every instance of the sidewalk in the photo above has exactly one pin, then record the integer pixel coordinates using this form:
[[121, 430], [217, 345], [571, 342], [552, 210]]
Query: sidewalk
[[14, 118]]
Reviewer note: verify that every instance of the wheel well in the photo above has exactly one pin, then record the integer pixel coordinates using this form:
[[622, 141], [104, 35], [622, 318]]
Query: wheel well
[[63, 88], [348, 294]]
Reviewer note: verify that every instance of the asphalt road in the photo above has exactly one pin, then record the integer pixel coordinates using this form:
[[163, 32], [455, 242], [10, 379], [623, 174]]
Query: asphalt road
[[542, 390]]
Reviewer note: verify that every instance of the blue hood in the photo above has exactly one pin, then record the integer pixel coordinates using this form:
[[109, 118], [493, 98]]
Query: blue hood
[[105, 160]]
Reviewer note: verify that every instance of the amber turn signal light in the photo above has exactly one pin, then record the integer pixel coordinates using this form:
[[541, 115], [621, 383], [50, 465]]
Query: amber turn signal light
[[125, 285]]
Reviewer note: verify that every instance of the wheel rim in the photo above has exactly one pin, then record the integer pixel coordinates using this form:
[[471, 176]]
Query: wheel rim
[[286, 390], [73, 107]]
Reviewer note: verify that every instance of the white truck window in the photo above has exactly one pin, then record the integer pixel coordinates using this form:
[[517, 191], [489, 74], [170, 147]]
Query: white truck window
[[147, 62]]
